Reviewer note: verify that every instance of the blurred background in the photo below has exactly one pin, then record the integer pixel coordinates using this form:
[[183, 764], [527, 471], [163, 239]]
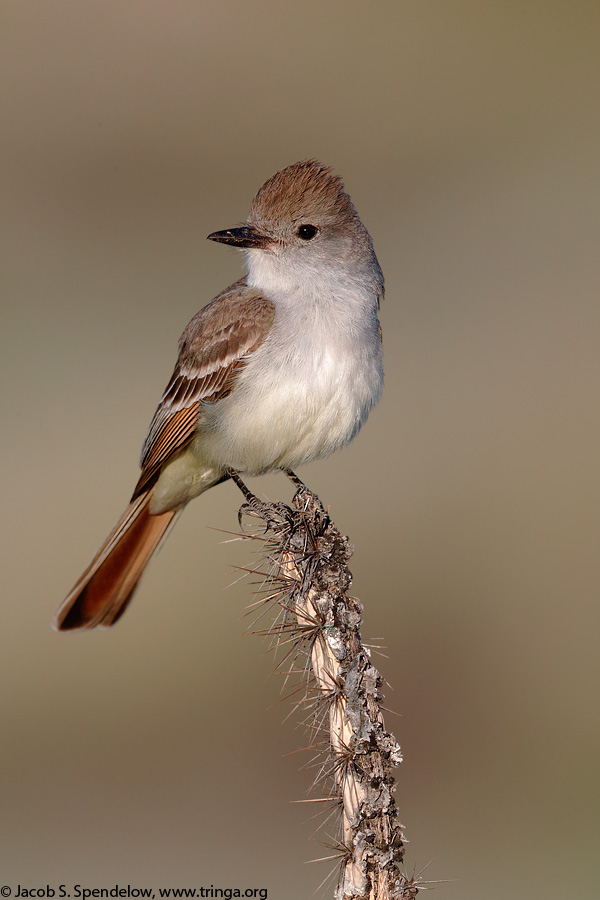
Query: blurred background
[[468, 137]]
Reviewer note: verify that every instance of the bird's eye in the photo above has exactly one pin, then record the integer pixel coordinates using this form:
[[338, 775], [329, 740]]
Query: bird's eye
[[307, 232]]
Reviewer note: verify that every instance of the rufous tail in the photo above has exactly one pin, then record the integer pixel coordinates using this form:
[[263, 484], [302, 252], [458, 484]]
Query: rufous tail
[[104, 590]]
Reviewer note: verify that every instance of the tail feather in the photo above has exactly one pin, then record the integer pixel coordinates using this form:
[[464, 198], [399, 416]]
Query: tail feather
[[104, 590]]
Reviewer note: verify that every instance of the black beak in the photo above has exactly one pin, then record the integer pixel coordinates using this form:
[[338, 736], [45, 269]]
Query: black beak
[[246, 236]]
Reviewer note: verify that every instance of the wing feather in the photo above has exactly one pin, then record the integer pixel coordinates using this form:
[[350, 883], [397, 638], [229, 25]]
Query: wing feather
[[212, 349]]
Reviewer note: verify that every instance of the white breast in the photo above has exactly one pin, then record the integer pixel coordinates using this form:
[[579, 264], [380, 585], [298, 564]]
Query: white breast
[[305, 392]]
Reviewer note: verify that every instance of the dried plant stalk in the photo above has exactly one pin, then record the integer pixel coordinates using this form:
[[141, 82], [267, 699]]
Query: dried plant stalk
[[309, 578]]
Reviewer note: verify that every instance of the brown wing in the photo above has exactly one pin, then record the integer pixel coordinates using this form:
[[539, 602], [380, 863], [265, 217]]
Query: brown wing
[[212, 349]]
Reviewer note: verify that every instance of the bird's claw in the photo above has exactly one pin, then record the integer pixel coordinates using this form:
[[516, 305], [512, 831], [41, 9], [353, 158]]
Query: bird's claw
[[274, 515]]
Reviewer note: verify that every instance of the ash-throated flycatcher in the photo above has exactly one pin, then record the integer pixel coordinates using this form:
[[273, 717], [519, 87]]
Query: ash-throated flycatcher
[[281, 368]]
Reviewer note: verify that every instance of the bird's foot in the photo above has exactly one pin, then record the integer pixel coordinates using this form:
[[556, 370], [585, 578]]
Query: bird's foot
[[274, 515], [305, 499]]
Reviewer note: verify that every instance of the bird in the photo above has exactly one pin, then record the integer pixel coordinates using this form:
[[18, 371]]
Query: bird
[[279, 369]]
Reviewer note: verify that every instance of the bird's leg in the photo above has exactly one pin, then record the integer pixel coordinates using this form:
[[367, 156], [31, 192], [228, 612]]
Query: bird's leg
[[308, 498], [250, 497], [295, 480], [262, 509]]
